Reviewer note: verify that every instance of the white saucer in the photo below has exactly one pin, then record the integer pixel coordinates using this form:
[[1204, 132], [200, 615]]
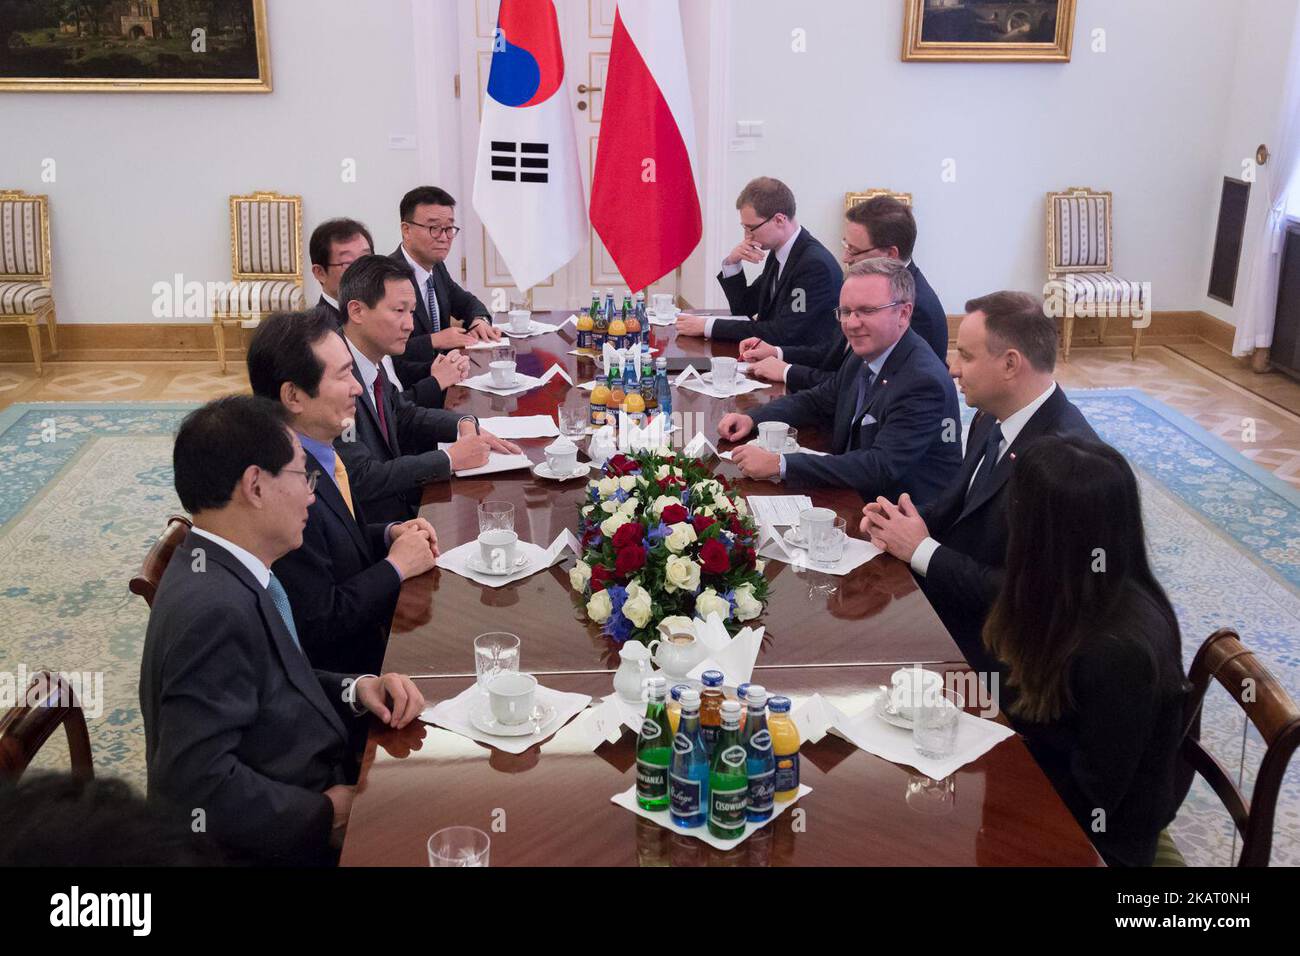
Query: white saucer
[[543, 470], [475, 563], [791, 446], [793, 538], [880, 706], [480, 715], [516, 335]]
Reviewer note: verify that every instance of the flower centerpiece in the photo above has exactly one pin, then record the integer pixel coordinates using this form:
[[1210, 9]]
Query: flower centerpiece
[[662, 537]]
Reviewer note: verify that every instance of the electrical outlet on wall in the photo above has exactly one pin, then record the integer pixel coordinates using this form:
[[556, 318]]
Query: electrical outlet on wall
[[401, 141]]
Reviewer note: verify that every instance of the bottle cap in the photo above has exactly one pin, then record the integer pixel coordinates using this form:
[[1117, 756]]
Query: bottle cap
[[711, 678], [756, 696], [731, 713], [742, 690], [688, 696], [676, 692], [779, 705], [655, 687]]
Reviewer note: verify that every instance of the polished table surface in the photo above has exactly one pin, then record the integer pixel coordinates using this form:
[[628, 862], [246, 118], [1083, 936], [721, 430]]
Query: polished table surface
[[837, 636]]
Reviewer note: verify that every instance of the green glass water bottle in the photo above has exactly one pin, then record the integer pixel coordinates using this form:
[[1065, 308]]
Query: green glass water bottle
[[728, 778], [654, 751]]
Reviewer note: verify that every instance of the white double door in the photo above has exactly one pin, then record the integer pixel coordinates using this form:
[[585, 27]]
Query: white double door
[[586, 29]]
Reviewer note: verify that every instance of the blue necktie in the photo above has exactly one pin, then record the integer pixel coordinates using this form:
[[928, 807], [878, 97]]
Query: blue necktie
[[431, 299], [989, 463], [864, 389], [281, 601]]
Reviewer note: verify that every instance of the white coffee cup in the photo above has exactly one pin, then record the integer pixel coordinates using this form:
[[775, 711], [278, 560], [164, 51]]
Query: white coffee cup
[[662, 303], [813, 519], [503, 374], [773, 435], [497, 549], [911, 687], [511, 696], [562, 456], [724, 372], [521, 320]]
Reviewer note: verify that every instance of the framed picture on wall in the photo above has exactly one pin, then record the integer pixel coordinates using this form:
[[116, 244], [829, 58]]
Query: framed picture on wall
[[106, 46], [1003, 30]]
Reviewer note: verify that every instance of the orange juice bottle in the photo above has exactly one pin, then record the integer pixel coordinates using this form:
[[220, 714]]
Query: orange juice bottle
[[634, 407], [785, 747], [618, 333], [585, 326], [616, 396], [599, 403]]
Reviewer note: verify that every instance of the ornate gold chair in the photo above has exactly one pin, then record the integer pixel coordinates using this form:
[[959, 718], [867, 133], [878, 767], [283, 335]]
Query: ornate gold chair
[[1080, 262], [265, 263], [852, 199], [25, 291]]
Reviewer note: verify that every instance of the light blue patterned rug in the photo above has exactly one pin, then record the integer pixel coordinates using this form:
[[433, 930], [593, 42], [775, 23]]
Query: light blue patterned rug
[[84, 490]]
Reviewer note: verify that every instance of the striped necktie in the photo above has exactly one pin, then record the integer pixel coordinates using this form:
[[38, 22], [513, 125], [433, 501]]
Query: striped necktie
[[431, 300], [280, 598], [344, 486]]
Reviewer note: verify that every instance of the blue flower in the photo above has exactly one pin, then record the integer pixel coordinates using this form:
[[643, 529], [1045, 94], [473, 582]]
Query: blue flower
[[659, 533], [731, 599], [620, 496], [617, 627]]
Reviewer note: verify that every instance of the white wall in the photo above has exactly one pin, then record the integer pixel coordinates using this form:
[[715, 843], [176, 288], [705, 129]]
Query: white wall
[[1145, 120], [143, 178]]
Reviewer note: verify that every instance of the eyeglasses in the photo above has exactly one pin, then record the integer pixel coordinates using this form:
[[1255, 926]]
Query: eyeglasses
[[845, 314], [857, 252], [750, 230], [312, 476], [435, 231]]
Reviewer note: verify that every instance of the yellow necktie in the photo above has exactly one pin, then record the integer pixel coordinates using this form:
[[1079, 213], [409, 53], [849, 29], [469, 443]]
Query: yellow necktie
[[341, 479]]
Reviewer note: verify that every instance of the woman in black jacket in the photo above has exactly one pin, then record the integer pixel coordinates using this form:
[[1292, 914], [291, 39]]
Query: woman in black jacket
[[1091, 646]]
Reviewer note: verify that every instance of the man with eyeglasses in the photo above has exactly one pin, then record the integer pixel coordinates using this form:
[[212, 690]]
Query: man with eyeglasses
[[428, 228], [793, 299], [337, 243], [891, 404], [881, 226]]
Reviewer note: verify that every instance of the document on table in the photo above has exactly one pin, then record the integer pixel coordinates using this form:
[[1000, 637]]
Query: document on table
[[496, 462], [778, 509], [510, 427]]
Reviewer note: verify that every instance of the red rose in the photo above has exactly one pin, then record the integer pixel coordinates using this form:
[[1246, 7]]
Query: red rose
[[628, 534], [665, 484], [674, 514], [703, 521], [736, 526], [622, 465], [599, 575], [629, 560], [714, 558], [751, 557]]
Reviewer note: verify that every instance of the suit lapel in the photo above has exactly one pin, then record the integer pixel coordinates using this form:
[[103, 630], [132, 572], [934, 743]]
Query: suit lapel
[[782, 283], [327, 491], [1037, 425]]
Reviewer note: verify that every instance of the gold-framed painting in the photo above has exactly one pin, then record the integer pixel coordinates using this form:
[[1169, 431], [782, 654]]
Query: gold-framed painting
[[119, 46], [999, 30]]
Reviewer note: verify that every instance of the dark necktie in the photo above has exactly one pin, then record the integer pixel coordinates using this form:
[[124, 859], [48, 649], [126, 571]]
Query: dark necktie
[[865, 381], [431, 299], [379, 406], [985, 473], [769, 288]]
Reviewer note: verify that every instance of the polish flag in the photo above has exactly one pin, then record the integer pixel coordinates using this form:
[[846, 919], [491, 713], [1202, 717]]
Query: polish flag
[[644, 202]]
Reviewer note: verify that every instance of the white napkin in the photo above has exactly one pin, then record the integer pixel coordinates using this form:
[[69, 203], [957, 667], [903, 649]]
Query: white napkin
[[628, 714], [856, 553], [483, 383], [733, 656], [688, 374], [627, 800], [534, 328], [696, 446], [799, 450], [553, 371], [601, 723], [521, 426], [453, 715], [742, 386], [975, 736], [457, 559], [497, 461]]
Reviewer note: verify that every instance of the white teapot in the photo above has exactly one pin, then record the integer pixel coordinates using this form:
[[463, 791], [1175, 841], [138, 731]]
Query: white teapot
[[677, 651], [633, 670]]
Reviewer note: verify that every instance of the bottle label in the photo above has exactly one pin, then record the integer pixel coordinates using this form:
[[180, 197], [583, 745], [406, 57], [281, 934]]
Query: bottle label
[[650, 729], [727, 808], [651, 780], [598, 414], [685, 794], [682, 745], [761, 740], [762, 790], [710, 736], [734, 756], [787, 772]]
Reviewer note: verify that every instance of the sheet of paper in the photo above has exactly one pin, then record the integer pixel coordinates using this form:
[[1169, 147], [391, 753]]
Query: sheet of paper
[[777, 509], [553, 371], [496, 462], [520, 426]]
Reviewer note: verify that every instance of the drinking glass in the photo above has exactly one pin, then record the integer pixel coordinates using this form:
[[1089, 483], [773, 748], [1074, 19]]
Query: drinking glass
[[826, 541], [503, 353], [496, 516], [495, 652], [572, 419], [459, 846], [934, 723]]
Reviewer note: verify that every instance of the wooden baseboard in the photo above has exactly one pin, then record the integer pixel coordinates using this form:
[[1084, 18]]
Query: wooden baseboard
[[1166, 328]]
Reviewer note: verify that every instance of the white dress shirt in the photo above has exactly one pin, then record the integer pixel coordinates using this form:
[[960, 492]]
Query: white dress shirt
[[255, 567], [782, 254], [421, 280], [1011, 429]]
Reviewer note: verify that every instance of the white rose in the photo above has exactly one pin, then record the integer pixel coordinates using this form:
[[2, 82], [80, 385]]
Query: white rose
[[637, 606], [759, 566], [741, 508], [629, 507], [706, 510], [609, 507], [723, 504], [662, 472], [610, 525], [748, 607], [588, 509], [710, 602], [607, 487], [662, 502], [599, 607], [681, 572], [593, 483], [579, 575], [680, 537], [668, 452], [627, 482]]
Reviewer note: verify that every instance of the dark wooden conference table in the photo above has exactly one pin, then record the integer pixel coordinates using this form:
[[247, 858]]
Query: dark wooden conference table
[[836, 636]]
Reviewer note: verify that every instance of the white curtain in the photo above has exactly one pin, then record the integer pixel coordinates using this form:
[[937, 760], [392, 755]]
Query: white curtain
[[1257, 306]]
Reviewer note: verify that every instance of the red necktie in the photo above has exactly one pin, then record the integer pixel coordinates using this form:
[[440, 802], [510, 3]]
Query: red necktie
[[379, 405]]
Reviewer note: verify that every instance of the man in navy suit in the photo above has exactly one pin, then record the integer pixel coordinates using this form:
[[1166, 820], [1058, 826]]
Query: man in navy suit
[[337, 243], [238, 725], [882, 226], [344, 580], [892, 404], [957, 545], [793, 299]]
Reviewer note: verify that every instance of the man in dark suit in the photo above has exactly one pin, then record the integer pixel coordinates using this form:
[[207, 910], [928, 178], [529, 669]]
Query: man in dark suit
[[794, 298], [882, 226], [1006, 352], [344, 579], [391, 452], [892, 404], [240, 731], [428, 228], [337, 243]]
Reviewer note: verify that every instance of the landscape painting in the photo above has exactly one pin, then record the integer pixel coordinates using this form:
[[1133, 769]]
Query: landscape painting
[[1005, 30]]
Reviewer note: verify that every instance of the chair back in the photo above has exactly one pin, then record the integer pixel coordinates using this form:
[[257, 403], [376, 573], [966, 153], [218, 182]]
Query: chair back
[[852, 199], [24, 236], [1224, 658], [47, 703], [155, 563], [266, 237], [1079, 231]]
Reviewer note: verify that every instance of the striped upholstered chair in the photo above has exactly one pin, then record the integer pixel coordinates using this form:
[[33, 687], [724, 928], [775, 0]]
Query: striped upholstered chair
[[1080, 262], [25, 294], [266, 263]]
